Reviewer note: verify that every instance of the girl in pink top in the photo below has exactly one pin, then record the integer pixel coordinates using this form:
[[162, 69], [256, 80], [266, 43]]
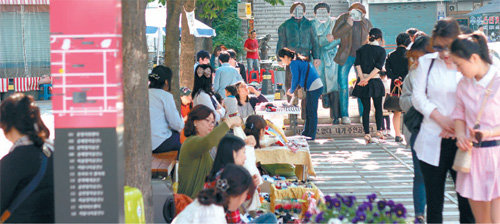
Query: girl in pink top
[[482, 185]]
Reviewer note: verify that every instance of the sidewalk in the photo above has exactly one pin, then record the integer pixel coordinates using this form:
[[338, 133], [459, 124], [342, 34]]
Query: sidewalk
[[350, 167]]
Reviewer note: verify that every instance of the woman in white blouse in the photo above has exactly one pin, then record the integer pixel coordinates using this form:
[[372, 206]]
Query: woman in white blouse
[[166, 122], [434, 90], [203, 92]]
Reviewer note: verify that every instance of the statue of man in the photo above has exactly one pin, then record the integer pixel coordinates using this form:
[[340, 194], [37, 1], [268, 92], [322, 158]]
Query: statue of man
[[297, 33], [352, 28], [328, 70]]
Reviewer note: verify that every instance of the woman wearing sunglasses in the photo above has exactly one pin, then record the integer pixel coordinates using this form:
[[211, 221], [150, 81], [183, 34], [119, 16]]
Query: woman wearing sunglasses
[[203, 93], [477, 125], [434, 96]]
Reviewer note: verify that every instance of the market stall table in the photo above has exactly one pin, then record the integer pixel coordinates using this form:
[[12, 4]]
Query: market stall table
[[276, 115], [284, 155]]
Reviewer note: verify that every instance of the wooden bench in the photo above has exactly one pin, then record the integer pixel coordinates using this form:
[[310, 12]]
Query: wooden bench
[[163, 163]]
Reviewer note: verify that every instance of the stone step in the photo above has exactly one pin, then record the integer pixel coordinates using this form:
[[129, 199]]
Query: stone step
[[327, 120], [331, 131]]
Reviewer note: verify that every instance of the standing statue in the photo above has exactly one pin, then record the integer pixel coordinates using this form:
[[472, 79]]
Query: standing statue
[[328, 70], [352, 28], [264, 46], [297, 34]]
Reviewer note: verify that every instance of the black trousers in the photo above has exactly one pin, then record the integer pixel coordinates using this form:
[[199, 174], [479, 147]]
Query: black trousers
[[377, 102], [435, 179]]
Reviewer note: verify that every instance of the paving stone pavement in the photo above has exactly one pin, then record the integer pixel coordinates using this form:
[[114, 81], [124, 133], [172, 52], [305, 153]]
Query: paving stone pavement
[[349, 166]]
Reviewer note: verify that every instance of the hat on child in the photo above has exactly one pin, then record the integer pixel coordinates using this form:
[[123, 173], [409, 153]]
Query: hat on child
[[185, 91]]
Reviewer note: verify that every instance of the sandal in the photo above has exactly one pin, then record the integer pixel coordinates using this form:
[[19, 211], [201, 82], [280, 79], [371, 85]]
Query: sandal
[[368, 138], [398, 139], [379, 135]]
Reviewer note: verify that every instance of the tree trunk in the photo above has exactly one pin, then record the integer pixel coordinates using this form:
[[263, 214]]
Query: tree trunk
[[174, 8], [187, 48], [203, 43], [137, 131]]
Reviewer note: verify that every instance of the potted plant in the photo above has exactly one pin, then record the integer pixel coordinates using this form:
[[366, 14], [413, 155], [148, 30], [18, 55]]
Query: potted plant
[[346, 209]]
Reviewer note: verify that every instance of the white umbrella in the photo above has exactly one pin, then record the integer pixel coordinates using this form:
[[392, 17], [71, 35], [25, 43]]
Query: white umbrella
[[156, 19]]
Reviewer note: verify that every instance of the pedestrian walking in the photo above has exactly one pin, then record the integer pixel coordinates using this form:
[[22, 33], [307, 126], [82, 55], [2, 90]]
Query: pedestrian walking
[[434, 96], [28, 160], [477, 126], [418, 49], [369, 61], [396, 67], [252, 48], [304, 75]]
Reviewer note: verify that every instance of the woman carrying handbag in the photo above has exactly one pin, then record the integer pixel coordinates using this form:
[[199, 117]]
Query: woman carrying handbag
[[434, 96], [477, 126], [396, 66]]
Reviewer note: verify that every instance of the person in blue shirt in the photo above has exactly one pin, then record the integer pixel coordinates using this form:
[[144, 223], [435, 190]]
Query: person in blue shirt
[[225, 75], [166, 121], [305, 76]]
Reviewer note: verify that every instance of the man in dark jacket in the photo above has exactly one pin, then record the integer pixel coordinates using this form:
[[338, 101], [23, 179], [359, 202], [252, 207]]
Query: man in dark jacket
[[352, 28]]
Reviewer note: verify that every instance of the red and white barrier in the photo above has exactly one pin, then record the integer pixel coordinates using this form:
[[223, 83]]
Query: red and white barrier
[[24, 2], [23, 84], [4, 85]]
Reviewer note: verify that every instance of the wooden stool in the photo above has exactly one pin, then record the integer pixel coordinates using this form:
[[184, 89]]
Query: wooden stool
[[163, 163]]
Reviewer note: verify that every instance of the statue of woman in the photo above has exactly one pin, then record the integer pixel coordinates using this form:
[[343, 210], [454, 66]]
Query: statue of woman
[[328, 69]]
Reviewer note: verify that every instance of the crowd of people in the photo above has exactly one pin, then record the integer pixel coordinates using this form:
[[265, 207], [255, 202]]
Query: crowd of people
[[449, 79]]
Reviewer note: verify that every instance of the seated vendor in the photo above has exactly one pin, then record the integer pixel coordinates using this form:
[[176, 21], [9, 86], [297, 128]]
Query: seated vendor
[[212, 204], [231, 150], [246, 104], [195, 161], [166, 122]]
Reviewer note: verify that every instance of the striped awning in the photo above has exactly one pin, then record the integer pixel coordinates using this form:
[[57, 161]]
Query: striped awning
[[24, 2]]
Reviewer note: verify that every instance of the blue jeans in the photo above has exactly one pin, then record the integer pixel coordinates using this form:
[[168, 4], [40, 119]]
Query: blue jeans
[[170, 144], [252, 64], [266, 218], [419, 199], [343, 76], [311, 122]]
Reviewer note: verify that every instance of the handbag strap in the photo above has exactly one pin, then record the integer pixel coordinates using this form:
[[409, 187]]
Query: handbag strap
[[27, 190], [307, 76], [428, 74], [485, 98]]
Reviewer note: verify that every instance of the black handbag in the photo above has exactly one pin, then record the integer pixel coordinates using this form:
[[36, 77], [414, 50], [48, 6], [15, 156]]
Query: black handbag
[[391, 102], [413, 119]]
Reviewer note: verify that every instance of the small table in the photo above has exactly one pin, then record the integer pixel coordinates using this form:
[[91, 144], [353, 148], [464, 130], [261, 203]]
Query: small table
[[282, 154], [282, 108]]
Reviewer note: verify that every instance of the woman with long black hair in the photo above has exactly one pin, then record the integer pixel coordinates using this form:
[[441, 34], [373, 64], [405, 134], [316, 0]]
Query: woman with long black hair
[[21, 122], [203, 92], [370, 59], [304, 75]]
